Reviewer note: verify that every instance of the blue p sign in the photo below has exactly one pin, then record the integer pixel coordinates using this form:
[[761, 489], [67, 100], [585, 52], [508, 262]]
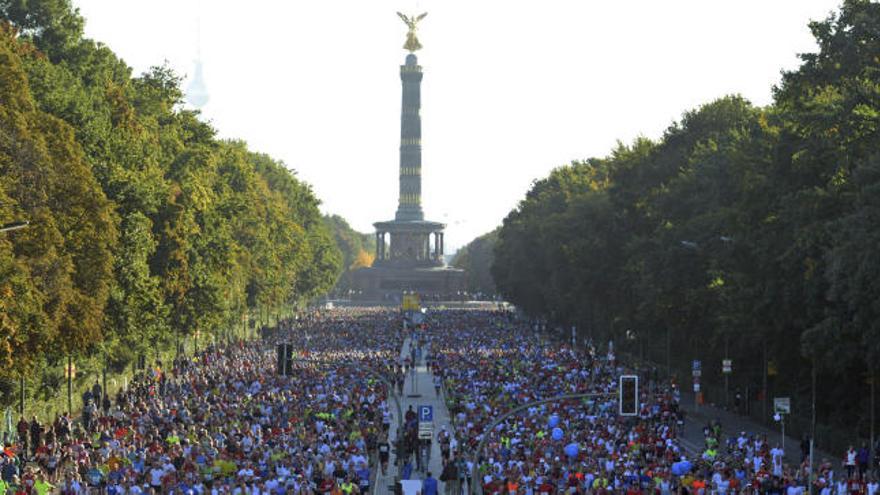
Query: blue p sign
[[426, 414]]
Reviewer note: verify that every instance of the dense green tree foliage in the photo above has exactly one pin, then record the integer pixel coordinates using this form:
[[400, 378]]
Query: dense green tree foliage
[[145, 228], [747, 232], [475, 259]]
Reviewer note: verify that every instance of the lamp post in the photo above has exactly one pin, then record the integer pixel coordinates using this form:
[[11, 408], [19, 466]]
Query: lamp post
[[695, 246], [21, 403], [780, 418], [9, 227], [70, 374], [726, 372]]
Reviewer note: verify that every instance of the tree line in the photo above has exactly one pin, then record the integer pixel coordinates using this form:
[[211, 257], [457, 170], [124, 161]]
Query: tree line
[[144, 226], [751, 233], [358, 251], [475, 259]]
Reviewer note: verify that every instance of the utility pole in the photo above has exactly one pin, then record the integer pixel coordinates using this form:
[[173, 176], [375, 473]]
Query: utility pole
[[9, 227], [764, 385], [103, 383], [871, 448], [70, 383], [813, 418], [810, 486], [726, 375]]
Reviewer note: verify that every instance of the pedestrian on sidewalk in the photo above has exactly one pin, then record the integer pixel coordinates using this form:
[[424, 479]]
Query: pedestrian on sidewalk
[[444, 439], [805, 447], [425, 447], [23, 429], [862, 460], [363, 478], [449, 477], [406, 472], [384, 453], [36, 431], [437, 384], [429, 485], [849, 461], [465, 476]]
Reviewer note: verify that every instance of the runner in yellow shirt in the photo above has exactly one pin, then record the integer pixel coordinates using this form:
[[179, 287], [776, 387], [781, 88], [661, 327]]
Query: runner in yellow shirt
[[42, 486]]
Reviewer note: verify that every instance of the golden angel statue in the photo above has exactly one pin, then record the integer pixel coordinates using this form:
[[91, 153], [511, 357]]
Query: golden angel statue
[[412, 42]]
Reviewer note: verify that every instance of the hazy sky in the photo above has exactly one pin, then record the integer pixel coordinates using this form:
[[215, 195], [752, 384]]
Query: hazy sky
[[511, 89]]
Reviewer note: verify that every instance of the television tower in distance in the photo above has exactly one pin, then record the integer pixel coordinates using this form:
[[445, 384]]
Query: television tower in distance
[[196, 92]]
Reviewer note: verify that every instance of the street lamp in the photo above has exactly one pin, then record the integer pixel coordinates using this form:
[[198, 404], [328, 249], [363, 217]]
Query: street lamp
[[9, 227], [780, 418]]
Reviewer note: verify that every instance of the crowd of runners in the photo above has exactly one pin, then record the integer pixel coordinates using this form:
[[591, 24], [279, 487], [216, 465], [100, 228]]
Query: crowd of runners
[[224, 421], [491, 363]]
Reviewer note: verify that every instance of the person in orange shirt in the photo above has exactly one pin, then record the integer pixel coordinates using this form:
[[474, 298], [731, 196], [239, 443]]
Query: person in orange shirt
[[512, 486]]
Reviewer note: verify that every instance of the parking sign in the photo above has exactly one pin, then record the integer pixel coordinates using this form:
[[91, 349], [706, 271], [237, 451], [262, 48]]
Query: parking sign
[[426, 414]]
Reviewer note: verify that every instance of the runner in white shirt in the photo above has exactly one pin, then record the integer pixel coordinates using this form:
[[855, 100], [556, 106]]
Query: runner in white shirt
[[722, 487], [156, 475], [777, 466]]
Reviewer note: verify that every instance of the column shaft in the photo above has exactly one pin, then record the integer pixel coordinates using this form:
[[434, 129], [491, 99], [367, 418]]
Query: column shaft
[[378, 247]]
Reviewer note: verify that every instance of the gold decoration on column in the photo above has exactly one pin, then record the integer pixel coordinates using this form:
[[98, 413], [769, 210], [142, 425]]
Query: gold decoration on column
[[412, 41]]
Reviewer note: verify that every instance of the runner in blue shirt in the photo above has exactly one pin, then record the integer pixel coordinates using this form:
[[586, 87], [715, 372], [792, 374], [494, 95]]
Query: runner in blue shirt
[[429, 485]]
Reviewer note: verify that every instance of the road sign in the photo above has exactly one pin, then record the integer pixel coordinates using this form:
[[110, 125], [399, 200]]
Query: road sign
[[697, 373], [782, 405], [727, 366], [426, 430], [426, 414], [697, 364], [285, 359], [696, 387], [411, 302]]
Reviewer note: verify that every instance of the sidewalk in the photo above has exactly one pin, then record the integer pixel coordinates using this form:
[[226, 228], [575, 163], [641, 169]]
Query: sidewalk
[[732, 425], [420, 386]]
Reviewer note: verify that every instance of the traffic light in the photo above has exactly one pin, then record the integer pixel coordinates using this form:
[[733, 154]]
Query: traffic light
[[285, 358], [629, 395]]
